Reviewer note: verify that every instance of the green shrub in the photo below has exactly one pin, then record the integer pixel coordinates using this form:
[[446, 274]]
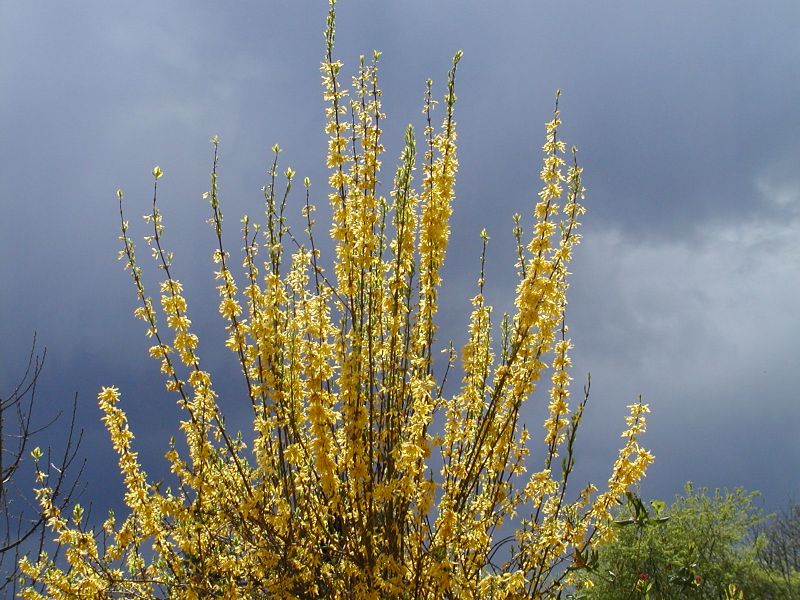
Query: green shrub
[[698, 548]]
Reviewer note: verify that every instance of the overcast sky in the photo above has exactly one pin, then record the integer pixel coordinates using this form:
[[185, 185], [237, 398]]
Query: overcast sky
[[686, 114]]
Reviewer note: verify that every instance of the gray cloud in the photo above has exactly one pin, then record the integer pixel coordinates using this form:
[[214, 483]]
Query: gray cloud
[[685, 288]]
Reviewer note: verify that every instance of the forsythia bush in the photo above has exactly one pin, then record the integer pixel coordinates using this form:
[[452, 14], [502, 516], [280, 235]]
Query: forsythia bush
[[361, 479]]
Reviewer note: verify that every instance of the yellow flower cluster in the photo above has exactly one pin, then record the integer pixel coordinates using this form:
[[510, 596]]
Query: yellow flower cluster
[[361, 478]]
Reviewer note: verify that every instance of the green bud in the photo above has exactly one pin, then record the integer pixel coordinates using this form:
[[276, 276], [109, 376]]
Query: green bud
[[77, 513]]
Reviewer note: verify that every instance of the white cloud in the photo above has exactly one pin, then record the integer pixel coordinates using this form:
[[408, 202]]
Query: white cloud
[[709, 310]]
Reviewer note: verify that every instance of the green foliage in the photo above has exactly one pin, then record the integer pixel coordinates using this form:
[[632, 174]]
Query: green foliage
[[701, 547]]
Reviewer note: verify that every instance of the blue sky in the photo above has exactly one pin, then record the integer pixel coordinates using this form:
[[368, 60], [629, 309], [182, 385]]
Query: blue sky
[[685, 288]]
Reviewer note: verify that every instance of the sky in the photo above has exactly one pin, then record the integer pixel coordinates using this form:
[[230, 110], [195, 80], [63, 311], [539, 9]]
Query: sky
[[684, 290]]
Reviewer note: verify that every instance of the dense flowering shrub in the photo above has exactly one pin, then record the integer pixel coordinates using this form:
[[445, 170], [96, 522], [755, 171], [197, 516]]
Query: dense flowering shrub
[[348, 486]]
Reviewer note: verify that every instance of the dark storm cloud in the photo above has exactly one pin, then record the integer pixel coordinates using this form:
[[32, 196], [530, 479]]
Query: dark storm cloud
[[686, 118]]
